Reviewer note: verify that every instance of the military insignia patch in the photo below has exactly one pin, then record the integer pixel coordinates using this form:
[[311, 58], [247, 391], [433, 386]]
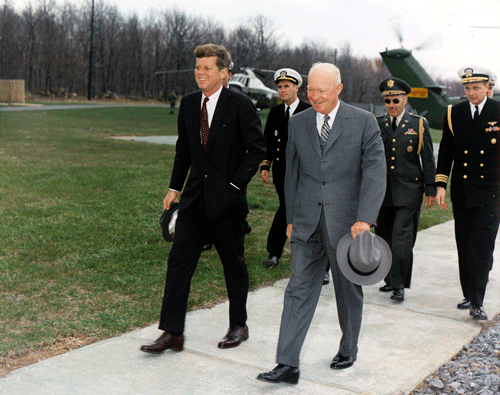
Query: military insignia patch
[[283, 74], [390, 83], [468, 72], [410, 132]]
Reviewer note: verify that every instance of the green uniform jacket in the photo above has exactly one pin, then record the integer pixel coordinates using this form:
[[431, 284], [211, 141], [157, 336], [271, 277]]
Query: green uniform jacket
[[409, 153]]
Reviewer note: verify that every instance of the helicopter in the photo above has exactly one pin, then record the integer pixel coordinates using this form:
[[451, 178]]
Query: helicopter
[[427, 97], [247, 82]]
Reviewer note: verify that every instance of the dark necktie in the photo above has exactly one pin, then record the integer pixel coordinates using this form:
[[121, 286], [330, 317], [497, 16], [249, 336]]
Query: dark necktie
[[204, 124], [287, 113], [394, 124], [325, 129], [476, 114]]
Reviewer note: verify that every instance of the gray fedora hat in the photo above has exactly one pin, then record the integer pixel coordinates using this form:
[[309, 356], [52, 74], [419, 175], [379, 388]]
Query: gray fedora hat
[[364, 260], [168, 220]]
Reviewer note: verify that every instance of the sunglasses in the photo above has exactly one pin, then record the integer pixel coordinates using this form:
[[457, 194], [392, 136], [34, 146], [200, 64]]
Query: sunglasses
[[395, 101]]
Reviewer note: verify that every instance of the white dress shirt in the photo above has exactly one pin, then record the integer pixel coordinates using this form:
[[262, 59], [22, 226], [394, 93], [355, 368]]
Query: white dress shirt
[[292, 106], [320, 118], [479, 106]]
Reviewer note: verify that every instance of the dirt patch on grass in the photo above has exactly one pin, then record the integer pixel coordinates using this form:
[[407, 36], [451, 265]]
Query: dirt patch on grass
[[13, 361]]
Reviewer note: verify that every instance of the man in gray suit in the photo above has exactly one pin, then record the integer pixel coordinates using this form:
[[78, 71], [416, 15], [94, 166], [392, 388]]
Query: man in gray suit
[[335, 183]]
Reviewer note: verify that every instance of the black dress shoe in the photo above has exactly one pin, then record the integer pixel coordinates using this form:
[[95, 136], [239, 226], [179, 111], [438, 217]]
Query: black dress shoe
[[326, 279], [281, 374], [386, 288], [478, 313], [247, 227], [398, 295], [340, 362], [464, 304], [164, 342], [234, 337], [207, 247], [271, 261]]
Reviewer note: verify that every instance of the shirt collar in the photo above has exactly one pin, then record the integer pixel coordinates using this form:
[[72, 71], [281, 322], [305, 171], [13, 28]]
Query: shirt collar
[[399, 117], [320, 118], [213, 98], [480, 106], [292, 106]]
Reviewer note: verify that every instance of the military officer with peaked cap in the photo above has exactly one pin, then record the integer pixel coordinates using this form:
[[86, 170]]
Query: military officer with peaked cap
[[469, 149], [491, 85], [411, 172], [276, 134]]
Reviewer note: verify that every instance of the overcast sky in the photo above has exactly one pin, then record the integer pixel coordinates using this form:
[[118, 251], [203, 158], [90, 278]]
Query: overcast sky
[[366, 24]]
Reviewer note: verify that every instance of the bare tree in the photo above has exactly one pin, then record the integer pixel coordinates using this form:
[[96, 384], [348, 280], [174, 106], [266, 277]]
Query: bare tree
[[48, 46]]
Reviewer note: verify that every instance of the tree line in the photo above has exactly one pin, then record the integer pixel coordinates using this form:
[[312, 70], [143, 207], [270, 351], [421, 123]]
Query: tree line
[[48, 45]]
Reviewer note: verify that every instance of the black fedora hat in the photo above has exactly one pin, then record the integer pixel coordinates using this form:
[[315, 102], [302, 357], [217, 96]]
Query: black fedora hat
[[364, 260], [167, 221]]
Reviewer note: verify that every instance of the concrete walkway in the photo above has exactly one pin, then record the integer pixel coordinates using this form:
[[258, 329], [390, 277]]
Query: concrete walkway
[[400, 344]]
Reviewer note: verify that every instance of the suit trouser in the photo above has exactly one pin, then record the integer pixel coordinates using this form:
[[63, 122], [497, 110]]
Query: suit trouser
[[398, 226], [228, 237], [476, 229], [308, 265], [277, 234]]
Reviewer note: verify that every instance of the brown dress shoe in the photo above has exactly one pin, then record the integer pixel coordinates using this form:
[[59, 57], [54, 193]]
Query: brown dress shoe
[[234, 337], [164, 342]]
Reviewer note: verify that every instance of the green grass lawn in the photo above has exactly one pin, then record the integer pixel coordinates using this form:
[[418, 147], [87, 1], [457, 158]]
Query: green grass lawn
[[81, 252]]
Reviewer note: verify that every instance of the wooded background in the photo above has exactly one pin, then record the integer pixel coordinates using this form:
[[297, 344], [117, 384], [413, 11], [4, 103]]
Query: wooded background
[[47, 45]]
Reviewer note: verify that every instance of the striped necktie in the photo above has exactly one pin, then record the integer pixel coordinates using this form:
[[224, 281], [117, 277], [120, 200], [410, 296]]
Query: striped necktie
[[325, 129]]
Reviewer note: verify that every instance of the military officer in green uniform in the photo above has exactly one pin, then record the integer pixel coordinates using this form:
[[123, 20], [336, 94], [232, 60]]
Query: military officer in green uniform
[[469, 149], [276, 134], [411, 172]]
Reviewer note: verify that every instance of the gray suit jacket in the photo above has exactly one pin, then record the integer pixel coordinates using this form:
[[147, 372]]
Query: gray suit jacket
[[348, 181]]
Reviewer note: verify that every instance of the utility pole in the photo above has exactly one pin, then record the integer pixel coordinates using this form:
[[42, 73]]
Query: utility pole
[[91, 53]]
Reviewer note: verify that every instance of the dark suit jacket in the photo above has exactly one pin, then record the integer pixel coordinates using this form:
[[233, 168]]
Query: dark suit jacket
[[408, 173], [473, 151], [276, 134], [234, 150]]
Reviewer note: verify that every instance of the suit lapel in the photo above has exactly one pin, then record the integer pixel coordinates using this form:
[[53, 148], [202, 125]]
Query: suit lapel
[[338, 126], [402, 125], [385, 127], [218, 116], [479, 126], [193, 122], [313, 131]]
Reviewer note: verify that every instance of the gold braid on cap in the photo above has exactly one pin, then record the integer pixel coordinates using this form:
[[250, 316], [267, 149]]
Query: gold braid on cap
[[466, 80], [386, 93]]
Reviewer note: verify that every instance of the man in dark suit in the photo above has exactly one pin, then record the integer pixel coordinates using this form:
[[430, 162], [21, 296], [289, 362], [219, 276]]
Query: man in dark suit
[[276, 134], [334, 185], [411, 171], [221, 144], [469, 149]]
